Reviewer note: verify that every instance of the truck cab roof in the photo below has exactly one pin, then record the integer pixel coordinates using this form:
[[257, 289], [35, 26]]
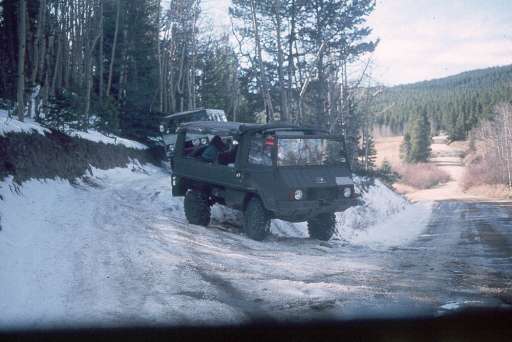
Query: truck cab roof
[[238, 128]]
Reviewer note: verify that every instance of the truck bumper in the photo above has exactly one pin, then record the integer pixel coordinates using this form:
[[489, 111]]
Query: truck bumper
[[298, 211]]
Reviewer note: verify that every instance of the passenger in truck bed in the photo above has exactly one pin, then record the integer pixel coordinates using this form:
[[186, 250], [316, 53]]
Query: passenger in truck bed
[[229, 156], [211, 153]]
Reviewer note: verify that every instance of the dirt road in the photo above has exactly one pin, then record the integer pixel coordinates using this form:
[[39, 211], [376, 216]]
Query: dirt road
[[448, 157], [121, 253]]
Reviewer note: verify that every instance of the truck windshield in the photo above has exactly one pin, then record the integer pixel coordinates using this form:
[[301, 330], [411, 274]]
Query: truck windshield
[[309, 151]]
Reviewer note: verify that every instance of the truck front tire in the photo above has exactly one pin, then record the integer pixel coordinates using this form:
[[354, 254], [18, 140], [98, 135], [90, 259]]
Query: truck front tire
[[322, 227], [256, 220], [197, 208]]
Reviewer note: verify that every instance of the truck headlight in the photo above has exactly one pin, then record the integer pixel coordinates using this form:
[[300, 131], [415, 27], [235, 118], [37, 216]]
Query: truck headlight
[[347, 192], [298, 195]]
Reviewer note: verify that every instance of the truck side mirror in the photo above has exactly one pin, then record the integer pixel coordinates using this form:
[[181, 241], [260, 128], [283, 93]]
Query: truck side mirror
[[162, 128]]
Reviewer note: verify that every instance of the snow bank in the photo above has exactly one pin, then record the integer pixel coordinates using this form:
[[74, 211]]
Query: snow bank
[[74, 255], [11, 125], [45, 225], [95, 136], [36, 243], [386, 219]]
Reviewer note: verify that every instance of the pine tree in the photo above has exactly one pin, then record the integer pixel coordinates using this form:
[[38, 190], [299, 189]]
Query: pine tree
[[405, 148], [370, 154], [387, 174], [420, 139]]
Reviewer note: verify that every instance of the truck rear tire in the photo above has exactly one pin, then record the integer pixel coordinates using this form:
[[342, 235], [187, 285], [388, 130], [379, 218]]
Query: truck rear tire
[[322, 227], [256, 220], [197, 208]]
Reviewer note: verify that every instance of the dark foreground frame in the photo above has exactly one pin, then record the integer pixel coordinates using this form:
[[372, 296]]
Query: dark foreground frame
[[481, 325]]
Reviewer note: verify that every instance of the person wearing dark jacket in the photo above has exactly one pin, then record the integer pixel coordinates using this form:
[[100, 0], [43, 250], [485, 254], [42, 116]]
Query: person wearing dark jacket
[[215, 147]]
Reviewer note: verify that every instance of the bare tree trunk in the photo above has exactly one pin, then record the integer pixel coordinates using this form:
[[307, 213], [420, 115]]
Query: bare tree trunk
[[37, 41], [193, 64], [88, 78], [46, 82], [267, 100], [57, 65], [280, 60], [68, 25], [192, 78], [179, 83], [22, 40], [165, 90], [101, 63], [508, 135], [160, 66], [114, 45], [236, 93], [172, 91], [89, 53], [291, 63], [123, 74]]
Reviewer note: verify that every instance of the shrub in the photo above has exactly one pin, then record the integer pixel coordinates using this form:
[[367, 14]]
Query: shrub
[[481, 170], [422, 175], [387, 174]]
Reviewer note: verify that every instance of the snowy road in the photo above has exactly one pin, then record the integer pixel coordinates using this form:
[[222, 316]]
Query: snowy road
[[120, 252]]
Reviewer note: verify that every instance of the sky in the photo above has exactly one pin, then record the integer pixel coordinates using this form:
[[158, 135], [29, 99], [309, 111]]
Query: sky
[[426, 39]]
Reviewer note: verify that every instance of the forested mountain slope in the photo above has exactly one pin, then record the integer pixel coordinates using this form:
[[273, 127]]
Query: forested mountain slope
[[454, 104]]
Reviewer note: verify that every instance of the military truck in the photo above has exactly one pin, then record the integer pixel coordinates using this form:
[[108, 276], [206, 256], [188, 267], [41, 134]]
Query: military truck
[[269, 171], [170, 123]]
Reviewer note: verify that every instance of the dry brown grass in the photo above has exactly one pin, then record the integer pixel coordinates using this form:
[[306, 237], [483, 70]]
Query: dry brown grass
[[478, 172], [422, 175], [388, 149], [482, 177], [493, 191]]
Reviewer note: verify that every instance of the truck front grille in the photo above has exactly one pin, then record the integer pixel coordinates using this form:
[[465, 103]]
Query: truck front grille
[[323, 194]]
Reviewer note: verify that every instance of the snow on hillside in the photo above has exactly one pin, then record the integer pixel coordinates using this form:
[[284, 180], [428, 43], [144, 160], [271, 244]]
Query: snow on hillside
[[115, 248], [12, 125], [96, 136]]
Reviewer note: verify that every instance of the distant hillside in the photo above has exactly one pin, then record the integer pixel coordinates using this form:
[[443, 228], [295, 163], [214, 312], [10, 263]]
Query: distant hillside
[[454, 104]]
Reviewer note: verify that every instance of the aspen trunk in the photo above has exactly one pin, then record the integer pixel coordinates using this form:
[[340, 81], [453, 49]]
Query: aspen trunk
[[101, 57], [160, 66], [57, 65], [37, 41], [267, 100], [192, 81], [291, 69], [89, 56], [123, 74], [114, 46], [22, 39], [280, 61]]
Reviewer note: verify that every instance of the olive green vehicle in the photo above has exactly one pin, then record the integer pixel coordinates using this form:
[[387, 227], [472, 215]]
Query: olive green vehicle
[[269, 171]]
